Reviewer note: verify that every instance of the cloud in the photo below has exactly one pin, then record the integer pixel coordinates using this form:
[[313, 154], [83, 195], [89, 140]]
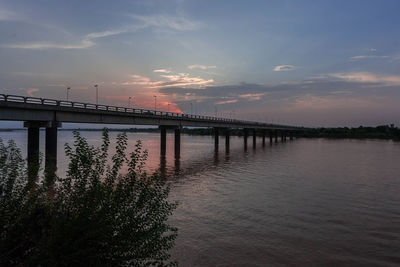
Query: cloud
[[330, 99], [175, 23], [7, 15], [365, 77], [183, 79], [172, 80], [162, 71], [178, 23], [366, 57], [45, 45], [284, 68], [283, 96], [252, 97], [86, 42], [140, 80], [226, 102], [202, 67], [31, 91]]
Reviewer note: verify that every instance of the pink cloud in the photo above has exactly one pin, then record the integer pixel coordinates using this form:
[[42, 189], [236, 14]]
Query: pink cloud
[[31, 91], [365, 77], [226, 102], [251, 97], [162, 71]]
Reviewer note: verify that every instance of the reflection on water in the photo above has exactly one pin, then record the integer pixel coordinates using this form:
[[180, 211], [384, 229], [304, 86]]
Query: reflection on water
[[300, 203]]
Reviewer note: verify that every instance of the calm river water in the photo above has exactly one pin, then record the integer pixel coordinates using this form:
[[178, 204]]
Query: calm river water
[[305, 202]]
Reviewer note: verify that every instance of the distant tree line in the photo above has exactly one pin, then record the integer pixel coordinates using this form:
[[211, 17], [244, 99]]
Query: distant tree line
[[379, 132]]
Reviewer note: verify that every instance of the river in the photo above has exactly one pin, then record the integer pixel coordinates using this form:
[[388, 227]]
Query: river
[[304, 202]]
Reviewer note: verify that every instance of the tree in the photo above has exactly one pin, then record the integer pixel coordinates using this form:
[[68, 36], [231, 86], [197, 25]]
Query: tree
[[96, 216]]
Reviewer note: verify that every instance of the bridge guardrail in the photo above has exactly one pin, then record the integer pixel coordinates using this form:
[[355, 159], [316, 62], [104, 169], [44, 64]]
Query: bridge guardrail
[[91, 106]]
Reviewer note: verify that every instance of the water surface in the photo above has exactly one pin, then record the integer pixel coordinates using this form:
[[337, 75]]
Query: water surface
[[304, 202]]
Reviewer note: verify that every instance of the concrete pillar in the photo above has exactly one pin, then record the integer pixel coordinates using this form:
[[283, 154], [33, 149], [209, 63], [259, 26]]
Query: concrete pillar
[[216, 138], [177, 142], [33, 154], [50, 166], [291, 135], [263, 138], [282, 136], [254, 138], [245, 135], [271, 137], [163, 141], [227, 139], [276, 136]]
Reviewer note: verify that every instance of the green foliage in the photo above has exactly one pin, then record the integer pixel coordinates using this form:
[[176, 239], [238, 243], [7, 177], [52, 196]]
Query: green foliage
[[95, 216]]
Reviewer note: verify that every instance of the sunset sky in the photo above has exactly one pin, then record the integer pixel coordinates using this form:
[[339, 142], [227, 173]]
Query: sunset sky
[[312, 63]]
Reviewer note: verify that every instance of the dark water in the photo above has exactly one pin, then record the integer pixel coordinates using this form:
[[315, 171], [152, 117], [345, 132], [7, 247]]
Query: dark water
[[301, 203]]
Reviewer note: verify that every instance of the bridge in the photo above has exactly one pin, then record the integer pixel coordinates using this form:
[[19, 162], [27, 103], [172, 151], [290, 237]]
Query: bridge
[[39, 113]]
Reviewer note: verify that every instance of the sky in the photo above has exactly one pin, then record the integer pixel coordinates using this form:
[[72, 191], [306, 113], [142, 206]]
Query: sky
[[311, 63]]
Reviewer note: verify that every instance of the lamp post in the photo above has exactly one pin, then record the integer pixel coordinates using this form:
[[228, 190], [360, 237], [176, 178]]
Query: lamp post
[[168, 107], [191, 108], [97, 94], [129, 102], [155, 102], [68, 88]]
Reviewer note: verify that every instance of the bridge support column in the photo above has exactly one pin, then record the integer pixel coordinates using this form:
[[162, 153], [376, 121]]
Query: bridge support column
[[263, 138], [51, 152], [163, 141], [33, 151], [216, 138], [254, 138], [271, 137], [227, 139], [291, 135], [282, 136], [276, 136], [245, 135], [177, 142]]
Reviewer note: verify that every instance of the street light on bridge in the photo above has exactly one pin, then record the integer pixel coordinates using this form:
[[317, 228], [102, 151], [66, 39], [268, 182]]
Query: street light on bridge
[[68, 88], [129, 102], [97, 94], [155, 102]]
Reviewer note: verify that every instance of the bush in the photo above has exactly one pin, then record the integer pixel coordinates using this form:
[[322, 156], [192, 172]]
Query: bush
[[96, 216]]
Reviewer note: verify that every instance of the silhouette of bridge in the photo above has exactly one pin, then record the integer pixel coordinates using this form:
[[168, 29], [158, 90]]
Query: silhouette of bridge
[[45, 113]]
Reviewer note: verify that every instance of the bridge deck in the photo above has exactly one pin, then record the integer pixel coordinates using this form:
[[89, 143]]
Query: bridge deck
[[20, 108]]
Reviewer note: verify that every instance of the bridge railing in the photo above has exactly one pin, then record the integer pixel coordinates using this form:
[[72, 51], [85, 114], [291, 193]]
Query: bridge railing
[[146, 112]]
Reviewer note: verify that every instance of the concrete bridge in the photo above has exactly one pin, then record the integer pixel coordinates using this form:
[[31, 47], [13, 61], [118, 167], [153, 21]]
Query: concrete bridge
[[39, 113]]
